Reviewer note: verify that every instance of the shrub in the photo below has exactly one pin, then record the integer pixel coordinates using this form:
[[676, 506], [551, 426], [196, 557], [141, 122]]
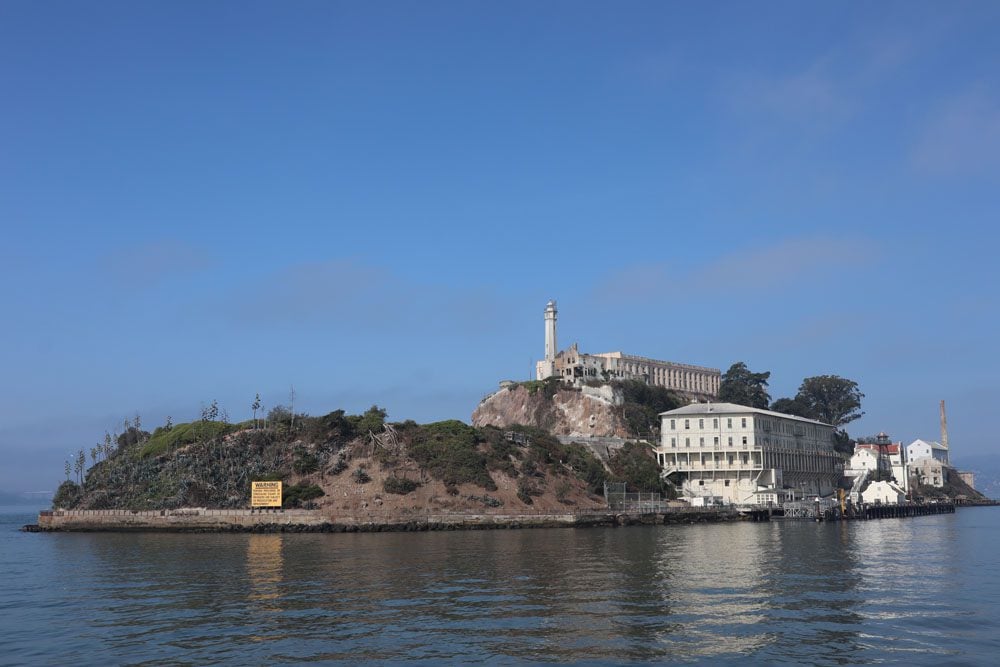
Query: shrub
[[400, 486], [361, 476], [67, 495], [449, 451], [488, 501], [339, 467], [297, 495], [635, 465], [279, 414], [525, 491], [372, 420], [132, 436], [305, 462], [186, 434], [563, 490]]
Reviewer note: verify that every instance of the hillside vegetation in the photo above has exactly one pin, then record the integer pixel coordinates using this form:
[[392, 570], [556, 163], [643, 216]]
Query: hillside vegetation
[[349, 463]]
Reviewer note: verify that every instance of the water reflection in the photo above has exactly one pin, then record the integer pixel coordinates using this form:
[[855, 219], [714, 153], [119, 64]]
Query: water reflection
[[794, 592], [264, 570]]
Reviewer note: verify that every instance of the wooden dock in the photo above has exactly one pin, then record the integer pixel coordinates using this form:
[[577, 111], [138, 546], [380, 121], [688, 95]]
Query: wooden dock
[[807, 512]]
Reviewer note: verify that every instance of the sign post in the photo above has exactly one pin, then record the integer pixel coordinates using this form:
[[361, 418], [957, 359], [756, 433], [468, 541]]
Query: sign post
[[265, 494]]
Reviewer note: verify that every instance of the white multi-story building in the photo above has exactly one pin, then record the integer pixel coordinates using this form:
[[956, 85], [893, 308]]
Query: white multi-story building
[[747, 456]]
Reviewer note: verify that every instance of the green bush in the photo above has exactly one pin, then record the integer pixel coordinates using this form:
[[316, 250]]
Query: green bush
[[372, 420], [361, 476], [643, 404], [299, 494], [186, 434], [563, 490], [525, 491], [400, 486], [304, 462], [636, 465], [449, 451], [67, 495]]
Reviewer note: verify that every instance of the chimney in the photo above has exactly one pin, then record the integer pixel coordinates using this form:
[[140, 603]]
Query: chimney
[[944, 427]]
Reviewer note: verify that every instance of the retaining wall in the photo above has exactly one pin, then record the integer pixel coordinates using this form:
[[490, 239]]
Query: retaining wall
[[210, 520]]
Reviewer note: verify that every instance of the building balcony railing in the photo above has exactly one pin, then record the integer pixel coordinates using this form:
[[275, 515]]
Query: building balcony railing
[[712, 466]]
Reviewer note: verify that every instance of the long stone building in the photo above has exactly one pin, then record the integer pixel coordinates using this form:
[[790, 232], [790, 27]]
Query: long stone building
[[739, 455], [573, 366]]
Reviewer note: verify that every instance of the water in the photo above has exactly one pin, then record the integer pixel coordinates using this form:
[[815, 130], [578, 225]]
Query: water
[[915, 591]]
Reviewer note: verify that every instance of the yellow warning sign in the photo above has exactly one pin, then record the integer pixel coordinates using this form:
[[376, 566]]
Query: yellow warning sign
[[265, 494]]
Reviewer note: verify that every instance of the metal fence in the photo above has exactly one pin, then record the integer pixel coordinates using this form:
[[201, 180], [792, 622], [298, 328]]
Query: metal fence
[[620, 500]]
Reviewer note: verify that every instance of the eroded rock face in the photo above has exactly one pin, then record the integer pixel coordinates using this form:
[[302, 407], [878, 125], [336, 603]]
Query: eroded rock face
[[587, 412]]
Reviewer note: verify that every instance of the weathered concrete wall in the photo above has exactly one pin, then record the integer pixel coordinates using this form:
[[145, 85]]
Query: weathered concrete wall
[[205, 520], [593, 412]]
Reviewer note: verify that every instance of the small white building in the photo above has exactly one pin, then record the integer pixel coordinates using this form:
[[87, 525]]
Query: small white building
[[928, 472], [883, 493], [864, 460], [747, 456], [867, 456], [922, 449]]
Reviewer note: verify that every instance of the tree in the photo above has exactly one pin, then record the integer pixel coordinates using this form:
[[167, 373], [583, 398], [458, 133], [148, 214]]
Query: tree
[[372, 421], [255, 407], [842, 442], [78, 466], [291, 406], [67, 470], [211, 413], [642, 405], [791, 406], [742, 386], [831, 399]]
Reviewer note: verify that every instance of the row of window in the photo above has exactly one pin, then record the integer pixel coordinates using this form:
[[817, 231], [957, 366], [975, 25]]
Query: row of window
[[701, 423], [701, 441]]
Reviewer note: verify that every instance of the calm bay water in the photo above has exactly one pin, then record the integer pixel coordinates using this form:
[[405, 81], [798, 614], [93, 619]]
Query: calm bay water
[[916, 591]]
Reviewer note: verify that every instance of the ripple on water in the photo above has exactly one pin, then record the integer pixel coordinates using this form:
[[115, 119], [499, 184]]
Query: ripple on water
[[886, 591]]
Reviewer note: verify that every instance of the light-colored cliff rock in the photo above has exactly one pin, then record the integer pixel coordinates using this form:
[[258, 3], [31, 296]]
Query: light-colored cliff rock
[[588, 411]]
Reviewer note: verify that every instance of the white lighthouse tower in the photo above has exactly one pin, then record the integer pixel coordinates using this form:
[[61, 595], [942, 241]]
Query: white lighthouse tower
[[546, 367]]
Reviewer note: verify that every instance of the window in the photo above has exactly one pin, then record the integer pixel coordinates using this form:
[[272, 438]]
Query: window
[[716, 443], [701, 442], [673, 442], [744, 422], [715, 423], [730, 441], [727, 482], [744, 441], [729, 422], [673, 424], [687, 423], [701, 423], [701, 482], [687, 442]]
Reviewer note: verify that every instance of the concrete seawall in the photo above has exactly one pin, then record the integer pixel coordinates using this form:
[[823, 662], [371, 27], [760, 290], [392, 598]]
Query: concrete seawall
[[211, 520]]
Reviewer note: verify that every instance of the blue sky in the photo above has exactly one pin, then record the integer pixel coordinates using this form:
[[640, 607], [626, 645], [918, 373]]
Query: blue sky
[[373, 201]]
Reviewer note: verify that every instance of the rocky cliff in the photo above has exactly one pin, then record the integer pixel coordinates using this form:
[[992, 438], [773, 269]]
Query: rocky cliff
[[585, 411]]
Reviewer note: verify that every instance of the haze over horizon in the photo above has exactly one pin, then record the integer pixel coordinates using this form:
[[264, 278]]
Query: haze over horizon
[[374, 202]]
